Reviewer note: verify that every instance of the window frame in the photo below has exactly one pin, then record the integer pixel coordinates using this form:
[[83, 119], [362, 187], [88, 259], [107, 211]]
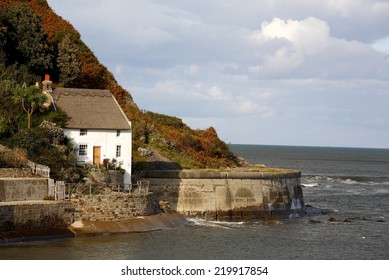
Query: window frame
[[83, 149], [118, 151]]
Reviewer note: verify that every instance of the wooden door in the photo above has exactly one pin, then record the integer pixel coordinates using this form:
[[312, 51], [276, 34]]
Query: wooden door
[[96, 155]]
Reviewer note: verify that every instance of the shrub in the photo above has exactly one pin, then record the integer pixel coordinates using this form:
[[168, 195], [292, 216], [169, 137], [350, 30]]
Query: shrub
[[40, 150], [56, 133], [14, 158]]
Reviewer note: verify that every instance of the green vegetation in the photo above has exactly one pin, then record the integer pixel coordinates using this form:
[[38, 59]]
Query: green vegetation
[[47, 145], [176, 141], [34, 41], [31, 98], [15, 158], [23, 40]]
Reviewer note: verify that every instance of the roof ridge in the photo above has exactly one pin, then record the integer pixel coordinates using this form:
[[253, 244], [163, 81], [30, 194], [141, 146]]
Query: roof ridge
[[83, 92]]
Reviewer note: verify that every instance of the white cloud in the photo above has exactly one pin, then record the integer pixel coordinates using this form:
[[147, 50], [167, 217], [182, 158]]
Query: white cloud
[[344, 6], [265, 95], [246, 106], [296, 41], [313, 70], [306, 49], [214, 93], [309, 36], [382, 45], [217, 93], [192, 70]]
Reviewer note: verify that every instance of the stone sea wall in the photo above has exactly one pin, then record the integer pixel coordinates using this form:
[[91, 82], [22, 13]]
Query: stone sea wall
[[30, 215], [20, 189], [230, 196], [110, 207]]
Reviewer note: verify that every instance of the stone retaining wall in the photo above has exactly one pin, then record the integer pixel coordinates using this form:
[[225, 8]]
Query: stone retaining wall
[[29, 216], [232, 196], [21, 189], [15, 173], [112, 207]]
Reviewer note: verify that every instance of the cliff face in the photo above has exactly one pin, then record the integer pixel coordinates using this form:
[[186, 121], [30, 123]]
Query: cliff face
[[166, 135]]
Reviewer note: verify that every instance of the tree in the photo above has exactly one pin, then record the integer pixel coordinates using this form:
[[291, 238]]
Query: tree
[[2, 41], [31, 98], [68, 61], [10, 115], [23, 39]]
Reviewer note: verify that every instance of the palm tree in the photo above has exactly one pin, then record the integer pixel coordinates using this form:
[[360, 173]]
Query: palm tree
[[31, 99]]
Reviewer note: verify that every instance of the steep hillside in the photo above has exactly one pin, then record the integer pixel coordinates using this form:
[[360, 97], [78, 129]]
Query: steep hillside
[[71, 63]]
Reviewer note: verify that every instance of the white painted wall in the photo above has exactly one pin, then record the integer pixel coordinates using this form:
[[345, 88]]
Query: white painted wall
[[107, 140]]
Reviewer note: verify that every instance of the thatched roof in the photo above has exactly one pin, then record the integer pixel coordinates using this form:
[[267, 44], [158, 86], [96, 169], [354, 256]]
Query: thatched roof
[[90, 109]]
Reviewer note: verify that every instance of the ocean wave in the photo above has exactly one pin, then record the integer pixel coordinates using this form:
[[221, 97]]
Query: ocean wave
[[320, 180], [217, 224]]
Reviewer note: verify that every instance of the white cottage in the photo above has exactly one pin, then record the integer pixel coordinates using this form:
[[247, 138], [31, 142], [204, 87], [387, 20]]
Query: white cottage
[[97, 125]]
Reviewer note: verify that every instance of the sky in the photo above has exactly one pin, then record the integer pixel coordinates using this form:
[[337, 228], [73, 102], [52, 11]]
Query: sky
[[302, 72]]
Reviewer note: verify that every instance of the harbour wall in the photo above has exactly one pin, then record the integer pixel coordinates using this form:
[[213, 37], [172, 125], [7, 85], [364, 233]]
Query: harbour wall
[[20, 189], [45, 219], [35, 215], [114, 206], [229, 196]]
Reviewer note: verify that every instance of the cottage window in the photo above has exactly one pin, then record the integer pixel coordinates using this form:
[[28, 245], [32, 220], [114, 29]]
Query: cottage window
[[117, 133], [83, 132], [118, 151], [82, 150]]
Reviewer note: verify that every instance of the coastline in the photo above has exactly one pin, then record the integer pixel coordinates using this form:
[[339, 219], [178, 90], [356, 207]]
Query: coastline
[[7, 237], [139, 224], [89, 228]]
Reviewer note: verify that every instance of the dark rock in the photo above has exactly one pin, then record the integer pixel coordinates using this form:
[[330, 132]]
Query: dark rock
[[314, 222], [165, 206], [347, 220], [332, 219]]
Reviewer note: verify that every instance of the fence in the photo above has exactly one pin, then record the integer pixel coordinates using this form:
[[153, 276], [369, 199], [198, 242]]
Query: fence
[[39, 169], [56, 189], [65, 191]]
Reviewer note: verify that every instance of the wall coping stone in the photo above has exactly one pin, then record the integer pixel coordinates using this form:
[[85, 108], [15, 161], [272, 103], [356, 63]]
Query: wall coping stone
[[233, 174], [24, 179], [29, 202]]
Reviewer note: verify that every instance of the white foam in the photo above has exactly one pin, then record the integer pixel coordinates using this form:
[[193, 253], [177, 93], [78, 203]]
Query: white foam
[[217, 224], [317, 181], [314, 185], [350, 182], [296, 204]]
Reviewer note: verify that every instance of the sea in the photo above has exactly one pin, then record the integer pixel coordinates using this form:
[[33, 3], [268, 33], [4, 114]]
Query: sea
[[346, 193]]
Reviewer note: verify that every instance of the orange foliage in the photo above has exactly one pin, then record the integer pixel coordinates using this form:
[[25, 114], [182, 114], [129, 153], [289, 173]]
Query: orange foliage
[[51, 22]]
